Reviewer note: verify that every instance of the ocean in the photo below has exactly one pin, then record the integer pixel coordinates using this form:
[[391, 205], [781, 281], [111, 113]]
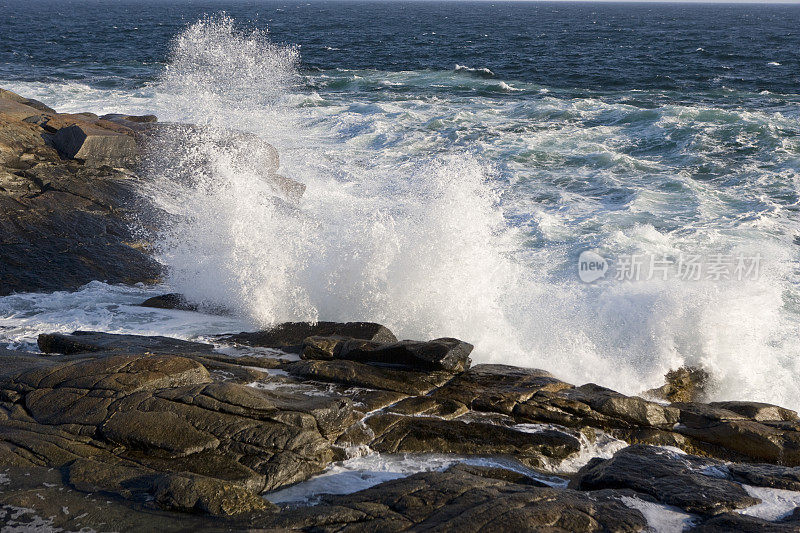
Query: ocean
[[459, 158]]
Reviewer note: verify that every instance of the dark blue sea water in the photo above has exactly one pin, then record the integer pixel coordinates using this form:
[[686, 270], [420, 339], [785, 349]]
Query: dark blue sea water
[[458, 157], [606, 47]]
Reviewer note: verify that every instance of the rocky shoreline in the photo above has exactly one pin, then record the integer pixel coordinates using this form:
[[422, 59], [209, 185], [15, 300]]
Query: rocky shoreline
[[141, 433]]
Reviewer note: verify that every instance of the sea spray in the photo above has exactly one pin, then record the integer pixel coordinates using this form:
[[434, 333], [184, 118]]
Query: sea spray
[[422, 247], [430, 243]]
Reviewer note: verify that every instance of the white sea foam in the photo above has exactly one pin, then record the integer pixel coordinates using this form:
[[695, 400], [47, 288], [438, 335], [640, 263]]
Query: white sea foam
[[661, 518], [775, 503], [603, 446], [101, 307]]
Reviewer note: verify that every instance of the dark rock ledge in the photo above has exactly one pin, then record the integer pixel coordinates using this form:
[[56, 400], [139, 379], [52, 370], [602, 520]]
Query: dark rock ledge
[[129, 433], [69, 194]]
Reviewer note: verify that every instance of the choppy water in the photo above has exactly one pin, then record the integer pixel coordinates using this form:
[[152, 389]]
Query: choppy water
[[458, 159]]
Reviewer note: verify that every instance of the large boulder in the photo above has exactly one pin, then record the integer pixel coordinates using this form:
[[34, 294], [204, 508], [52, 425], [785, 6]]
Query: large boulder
[[498, 388], [96, 145], [356, 374]]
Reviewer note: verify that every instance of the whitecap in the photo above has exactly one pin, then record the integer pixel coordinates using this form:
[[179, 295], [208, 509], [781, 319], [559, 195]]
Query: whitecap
[[482, 72], [506, 87]]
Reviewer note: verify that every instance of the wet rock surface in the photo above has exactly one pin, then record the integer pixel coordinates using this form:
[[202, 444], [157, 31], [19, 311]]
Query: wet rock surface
[[143, 431], [465, 499], [666, 476]]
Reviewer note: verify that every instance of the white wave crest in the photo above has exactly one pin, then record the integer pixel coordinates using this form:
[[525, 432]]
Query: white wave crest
[[482, 72]]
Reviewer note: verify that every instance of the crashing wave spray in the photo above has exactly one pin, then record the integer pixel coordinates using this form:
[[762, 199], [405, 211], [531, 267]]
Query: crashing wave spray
[[422, 246]]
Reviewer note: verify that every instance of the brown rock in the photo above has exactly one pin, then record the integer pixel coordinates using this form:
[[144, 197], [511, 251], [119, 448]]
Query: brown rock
[[96, 145], [207, 495], [685, 384], [157, 432]]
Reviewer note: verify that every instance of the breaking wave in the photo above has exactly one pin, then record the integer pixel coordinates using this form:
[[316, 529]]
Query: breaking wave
[[427, 235]]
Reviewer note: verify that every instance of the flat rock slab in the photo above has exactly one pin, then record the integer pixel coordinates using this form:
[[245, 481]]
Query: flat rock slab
[[164, 431], [451, 355], [117, 373], [761, 412], [94, 341], [290, 335]]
